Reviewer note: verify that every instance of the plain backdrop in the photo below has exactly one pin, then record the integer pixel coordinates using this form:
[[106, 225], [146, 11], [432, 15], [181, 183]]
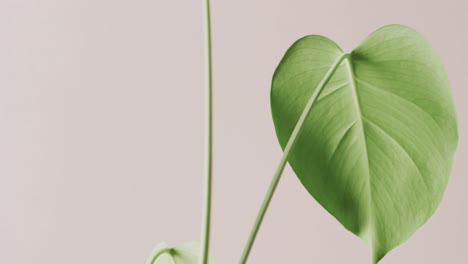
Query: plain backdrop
[[101, 129]]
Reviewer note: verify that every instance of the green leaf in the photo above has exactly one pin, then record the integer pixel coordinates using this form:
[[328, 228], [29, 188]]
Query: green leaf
[[187, 253], [377, 147]]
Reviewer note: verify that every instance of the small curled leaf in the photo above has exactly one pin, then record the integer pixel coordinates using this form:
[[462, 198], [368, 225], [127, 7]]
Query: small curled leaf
[[187, 253]]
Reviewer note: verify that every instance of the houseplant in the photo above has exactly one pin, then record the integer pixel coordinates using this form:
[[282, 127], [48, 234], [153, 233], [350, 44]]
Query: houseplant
[[371, 134]]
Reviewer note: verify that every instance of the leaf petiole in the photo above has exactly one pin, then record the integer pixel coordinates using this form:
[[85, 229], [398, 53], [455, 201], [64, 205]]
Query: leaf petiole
[[205, 236], [282, 164]]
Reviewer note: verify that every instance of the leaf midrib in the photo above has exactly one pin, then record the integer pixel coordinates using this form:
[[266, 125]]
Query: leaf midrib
[[353, 85]]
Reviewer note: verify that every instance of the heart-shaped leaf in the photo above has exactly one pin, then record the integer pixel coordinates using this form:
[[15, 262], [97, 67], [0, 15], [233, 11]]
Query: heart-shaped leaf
[[377, 147], [187, 253]]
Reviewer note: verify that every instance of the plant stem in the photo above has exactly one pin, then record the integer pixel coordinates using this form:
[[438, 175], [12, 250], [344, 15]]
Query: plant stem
[[287, 150], [205, 236]]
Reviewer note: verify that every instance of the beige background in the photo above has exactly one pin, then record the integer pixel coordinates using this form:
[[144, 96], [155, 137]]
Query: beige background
[[101, 129]]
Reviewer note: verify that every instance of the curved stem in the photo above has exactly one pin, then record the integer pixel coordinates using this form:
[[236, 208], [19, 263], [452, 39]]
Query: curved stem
[[205, 237], [164, 251], [287, 150]]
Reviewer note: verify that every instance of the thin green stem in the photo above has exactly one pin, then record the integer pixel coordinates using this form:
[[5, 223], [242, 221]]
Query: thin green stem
[[206, 222], [287, 150], [160, 253]]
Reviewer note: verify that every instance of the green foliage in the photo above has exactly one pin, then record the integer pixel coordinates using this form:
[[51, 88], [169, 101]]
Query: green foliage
[[377, 148], [187, 253]]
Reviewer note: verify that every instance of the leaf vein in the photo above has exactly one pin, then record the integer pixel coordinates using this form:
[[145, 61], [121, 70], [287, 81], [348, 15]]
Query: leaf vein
[[401, 147]]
